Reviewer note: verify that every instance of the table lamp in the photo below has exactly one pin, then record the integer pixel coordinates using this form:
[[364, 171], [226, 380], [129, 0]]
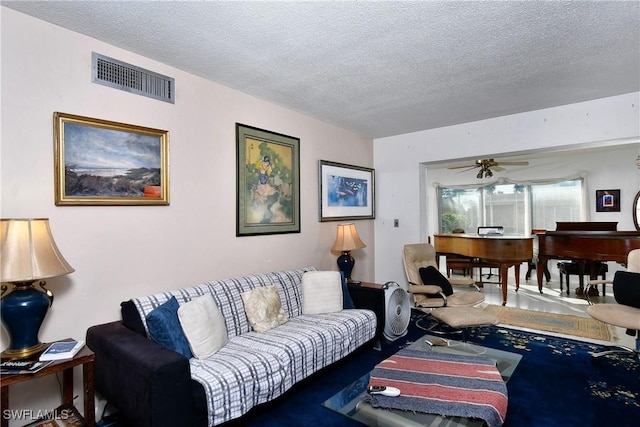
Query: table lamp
[[347, 239], [27, 253]]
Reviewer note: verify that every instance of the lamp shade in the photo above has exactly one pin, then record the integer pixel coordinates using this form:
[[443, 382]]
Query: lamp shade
[[28, 251], [347, 238]]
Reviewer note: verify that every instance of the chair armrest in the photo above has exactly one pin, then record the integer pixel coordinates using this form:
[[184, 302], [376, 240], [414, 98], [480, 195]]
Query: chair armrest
[[462, 281], [434, 290], [424, 289], [150, 384], [594, 282]]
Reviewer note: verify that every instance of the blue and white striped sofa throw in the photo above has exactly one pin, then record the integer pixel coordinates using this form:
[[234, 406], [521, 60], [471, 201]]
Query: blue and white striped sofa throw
[[253, 368]]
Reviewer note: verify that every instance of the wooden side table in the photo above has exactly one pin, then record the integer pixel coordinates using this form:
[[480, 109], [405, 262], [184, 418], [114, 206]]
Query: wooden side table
[[85, 357]]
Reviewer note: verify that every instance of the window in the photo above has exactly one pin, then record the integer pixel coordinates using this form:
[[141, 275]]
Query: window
[[518, 207], [562, 201], [459, 209]]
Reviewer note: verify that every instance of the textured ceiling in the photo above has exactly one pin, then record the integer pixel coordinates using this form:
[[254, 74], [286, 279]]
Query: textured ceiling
[[381, 68]]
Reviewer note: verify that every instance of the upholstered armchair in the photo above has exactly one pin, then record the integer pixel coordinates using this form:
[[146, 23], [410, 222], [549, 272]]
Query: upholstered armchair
[[626, 312], [430, 294], [433, 293]]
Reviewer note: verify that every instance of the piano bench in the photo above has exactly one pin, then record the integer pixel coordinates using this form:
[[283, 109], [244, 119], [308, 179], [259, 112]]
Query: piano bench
[[569, 268]]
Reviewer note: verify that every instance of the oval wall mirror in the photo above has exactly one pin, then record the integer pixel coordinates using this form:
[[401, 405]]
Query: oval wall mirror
[[636, 211]]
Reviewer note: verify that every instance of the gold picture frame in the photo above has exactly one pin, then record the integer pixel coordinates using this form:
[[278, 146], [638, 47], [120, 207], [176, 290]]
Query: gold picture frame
[[99, 162]]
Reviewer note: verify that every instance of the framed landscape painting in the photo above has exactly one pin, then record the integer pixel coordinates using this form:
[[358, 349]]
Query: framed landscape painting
[[98, 162], [268, 182], [347, 192]]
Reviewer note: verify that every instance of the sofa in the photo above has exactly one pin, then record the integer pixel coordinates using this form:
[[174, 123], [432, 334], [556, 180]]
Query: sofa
[[152, 382]]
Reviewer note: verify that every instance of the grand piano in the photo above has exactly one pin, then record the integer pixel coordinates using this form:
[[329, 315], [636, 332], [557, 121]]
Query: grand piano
[[503, 251], [583, 242]]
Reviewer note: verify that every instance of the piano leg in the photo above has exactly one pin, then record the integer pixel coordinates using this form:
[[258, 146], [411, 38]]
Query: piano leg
[[547, 273], [582, 270], [532, 266], [504, 272], [540, 268], [581, 266]]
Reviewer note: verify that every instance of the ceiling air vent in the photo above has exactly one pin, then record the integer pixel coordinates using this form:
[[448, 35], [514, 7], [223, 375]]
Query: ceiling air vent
[[120, 75]]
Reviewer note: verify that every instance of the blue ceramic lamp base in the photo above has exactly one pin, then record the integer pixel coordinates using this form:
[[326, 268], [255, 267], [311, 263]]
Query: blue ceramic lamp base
[[23, 310], [345, 264]]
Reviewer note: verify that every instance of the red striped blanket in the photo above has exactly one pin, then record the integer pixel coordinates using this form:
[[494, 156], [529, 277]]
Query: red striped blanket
[[443, 384]]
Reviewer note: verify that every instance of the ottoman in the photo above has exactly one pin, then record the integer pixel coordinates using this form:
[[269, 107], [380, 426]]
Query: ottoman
[[464, 317]]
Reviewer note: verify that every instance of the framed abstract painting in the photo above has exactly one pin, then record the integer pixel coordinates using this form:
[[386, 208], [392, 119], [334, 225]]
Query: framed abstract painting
[[347, 192], [607, 200]]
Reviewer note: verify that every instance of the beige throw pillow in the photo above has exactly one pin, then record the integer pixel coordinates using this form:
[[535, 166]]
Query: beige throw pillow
[[264, 308], [321, 292], [203, 325]]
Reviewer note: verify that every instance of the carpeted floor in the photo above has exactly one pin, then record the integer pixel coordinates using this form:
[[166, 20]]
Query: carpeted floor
[[558, 384], [555, 385], [566, 324]]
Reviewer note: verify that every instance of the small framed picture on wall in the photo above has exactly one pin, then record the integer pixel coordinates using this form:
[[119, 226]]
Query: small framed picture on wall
[[607, 200]]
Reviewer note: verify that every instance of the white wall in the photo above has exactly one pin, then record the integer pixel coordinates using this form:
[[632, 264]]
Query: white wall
[[124, 251], [402, 182]]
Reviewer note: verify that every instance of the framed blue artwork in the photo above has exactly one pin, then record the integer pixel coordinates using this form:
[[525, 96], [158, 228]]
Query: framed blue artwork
[[607, 200], [347, 192]]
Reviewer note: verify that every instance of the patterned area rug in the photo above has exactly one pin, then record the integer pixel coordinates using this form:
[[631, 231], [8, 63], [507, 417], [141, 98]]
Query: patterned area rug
[[565, 324], [558, 384]]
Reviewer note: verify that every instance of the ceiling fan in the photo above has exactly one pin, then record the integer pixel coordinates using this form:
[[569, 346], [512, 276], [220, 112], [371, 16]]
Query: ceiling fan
[[486, 165]]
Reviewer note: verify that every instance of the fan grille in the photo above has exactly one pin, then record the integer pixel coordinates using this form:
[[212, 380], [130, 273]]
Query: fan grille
[[398, 314]]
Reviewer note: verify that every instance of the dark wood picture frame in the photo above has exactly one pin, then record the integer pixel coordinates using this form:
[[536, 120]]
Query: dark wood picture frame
[[607, 200], [346, 192], [267, 182]]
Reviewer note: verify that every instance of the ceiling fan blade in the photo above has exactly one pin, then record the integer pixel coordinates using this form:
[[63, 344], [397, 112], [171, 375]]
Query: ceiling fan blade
[[513, 163], [465, 166], [488, 163], [468, 168]]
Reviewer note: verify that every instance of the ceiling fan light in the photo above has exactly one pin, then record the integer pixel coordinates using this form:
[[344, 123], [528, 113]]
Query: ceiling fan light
[[488, 173], [479, 176]]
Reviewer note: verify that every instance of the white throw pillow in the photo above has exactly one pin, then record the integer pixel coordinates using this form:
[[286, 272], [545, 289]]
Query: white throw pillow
[[321, 292], [264, 308], [203, 325]]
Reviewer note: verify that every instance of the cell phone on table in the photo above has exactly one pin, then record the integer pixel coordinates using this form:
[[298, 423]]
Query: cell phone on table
[[436, 341]]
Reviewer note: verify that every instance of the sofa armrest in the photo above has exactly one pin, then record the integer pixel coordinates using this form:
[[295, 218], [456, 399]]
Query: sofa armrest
[[149, 384]]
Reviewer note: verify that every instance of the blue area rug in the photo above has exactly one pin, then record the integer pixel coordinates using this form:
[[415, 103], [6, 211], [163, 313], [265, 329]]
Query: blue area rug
[[555, 384]]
